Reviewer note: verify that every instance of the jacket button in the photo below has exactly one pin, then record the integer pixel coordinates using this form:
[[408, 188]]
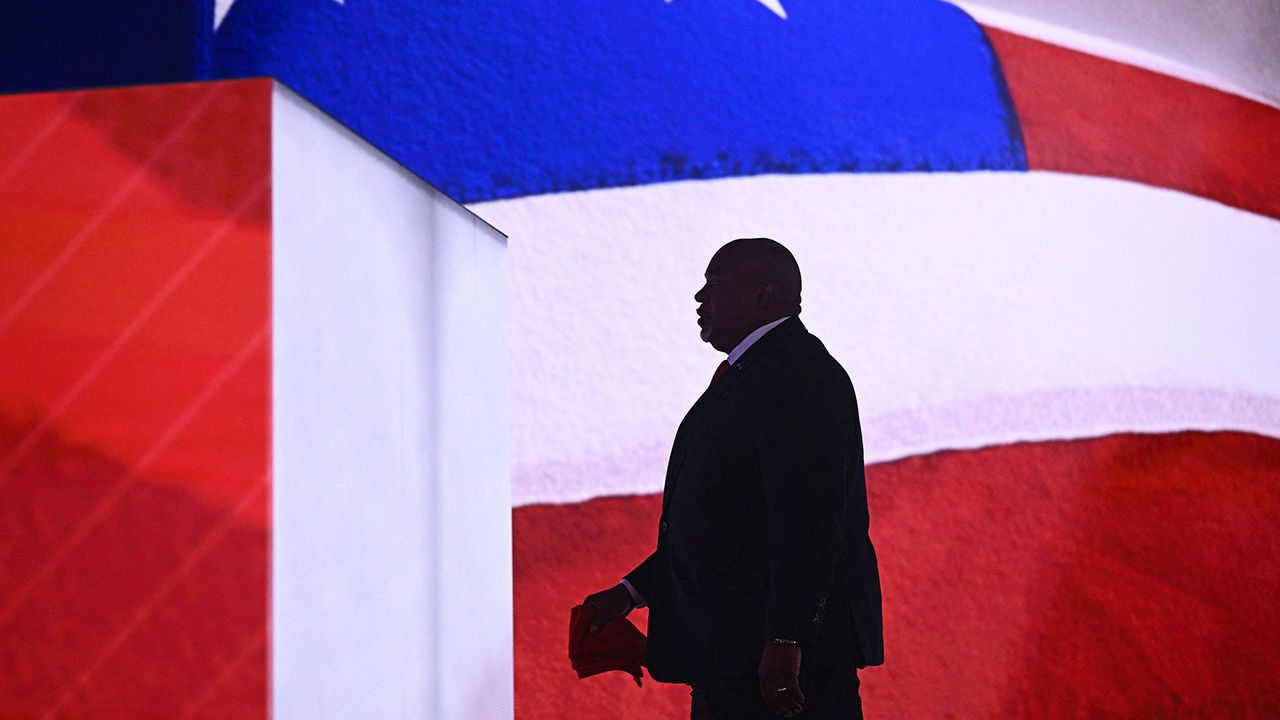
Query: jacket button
[[662, 526]]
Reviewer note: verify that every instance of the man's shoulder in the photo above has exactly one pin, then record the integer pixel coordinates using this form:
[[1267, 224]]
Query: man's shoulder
[[796, 346], [800, 358], [798, 381]]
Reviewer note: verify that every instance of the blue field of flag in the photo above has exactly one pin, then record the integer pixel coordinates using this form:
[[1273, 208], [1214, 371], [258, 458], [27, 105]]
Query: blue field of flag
[[491, 100]]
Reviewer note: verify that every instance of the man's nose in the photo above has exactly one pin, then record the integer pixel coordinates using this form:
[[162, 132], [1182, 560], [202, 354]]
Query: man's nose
[[697, 297]]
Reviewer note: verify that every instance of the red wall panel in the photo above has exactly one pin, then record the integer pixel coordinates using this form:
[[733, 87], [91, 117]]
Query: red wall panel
[[135, 401]]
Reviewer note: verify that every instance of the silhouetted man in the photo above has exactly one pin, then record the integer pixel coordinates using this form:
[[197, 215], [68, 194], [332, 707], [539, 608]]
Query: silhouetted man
[[763, 592]]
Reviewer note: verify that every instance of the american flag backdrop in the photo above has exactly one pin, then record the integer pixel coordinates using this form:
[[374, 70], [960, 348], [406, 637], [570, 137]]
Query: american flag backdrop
[[1068, 381], [1049, 262]]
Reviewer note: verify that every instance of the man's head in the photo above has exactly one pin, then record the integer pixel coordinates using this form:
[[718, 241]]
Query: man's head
[[749, 282]]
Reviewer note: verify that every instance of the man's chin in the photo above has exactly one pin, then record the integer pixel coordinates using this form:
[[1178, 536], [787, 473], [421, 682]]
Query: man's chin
[[705, 334]]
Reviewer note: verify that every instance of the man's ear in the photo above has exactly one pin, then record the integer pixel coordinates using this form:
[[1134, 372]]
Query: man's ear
[[768, 294]]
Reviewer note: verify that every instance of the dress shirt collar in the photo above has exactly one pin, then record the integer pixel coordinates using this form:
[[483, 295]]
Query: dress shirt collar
[[750, 340]]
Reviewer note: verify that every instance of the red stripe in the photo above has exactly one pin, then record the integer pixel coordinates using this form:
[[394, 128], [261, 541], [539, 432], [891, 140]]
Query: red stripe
[[1126, 576], [1088, 115]]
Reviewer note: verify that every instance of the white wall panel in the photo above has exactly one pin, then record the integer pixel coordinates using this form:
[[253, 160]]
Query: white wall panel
[[391, 549]]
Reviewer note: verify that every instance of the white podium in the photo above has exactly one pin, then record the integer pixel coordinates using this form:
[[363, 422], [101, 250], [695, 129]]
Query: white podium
[[253, 418], [391, 551]]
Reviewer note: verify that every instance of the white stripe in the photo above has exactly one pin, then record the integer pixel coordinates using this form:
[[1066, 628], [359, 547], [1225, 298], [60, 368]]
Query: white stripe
[[1223, 60], [984, 422], [970, 309]]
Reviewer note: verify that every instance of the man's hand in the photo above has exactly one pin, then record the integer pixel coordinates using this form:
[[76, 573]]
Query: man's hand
[[780, 678], [612, 603]]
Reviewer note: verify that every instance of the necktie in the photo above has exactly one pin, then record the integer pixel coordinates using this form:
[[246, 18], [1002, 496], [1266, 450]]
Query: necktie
[[720, 370]]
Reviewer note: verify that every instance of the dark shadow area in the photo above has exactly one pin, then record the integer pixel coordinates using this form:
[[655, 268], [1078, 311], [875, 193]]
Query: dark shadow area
[[68, 44]]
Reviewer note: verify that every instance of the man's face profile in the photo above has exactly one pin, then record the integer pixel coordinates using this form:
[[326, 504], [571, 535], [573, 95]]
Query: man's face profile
[[727, 302]]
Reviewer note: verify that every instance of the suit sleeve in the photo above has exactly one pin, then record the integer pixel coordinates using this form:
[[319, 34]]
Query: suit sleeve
[[804, 440], [640, 577]]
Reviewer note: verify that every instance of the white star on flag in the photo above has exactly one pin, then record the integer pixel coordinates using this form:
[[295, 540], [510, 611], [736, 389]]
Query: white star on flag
[[221, 7], [775, 6]]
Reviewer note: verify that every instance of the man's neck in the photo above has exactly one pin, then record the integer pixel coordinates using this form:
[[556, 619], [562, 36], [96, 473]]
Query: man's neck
[[736, 353]]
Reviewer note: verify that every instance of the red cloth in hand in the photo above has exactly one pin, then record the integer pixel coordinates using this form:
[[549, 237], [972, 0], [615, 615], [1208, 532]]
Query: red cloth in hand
[[618, 645]]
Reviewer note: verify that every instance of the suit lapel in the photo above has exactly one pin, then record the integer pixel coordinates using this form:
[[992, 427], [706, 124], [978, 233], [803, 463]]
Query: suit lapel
[[707, 401], [689, 426]]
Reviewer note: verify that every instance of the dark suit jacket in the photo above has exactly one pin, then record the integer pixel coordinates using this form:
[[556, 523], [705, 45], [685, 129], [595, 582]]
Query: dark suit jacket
[[764, 520]]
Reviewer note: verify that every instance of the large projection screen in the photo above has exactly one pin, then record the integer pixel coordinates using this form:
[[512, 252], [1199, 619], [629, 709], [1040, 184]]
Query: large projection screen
[[1042, 237]]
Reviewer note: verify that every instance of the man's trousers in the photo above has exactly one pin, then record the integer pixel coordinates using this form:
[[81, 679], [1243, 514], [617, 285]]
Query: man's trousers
[[829, 694]]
